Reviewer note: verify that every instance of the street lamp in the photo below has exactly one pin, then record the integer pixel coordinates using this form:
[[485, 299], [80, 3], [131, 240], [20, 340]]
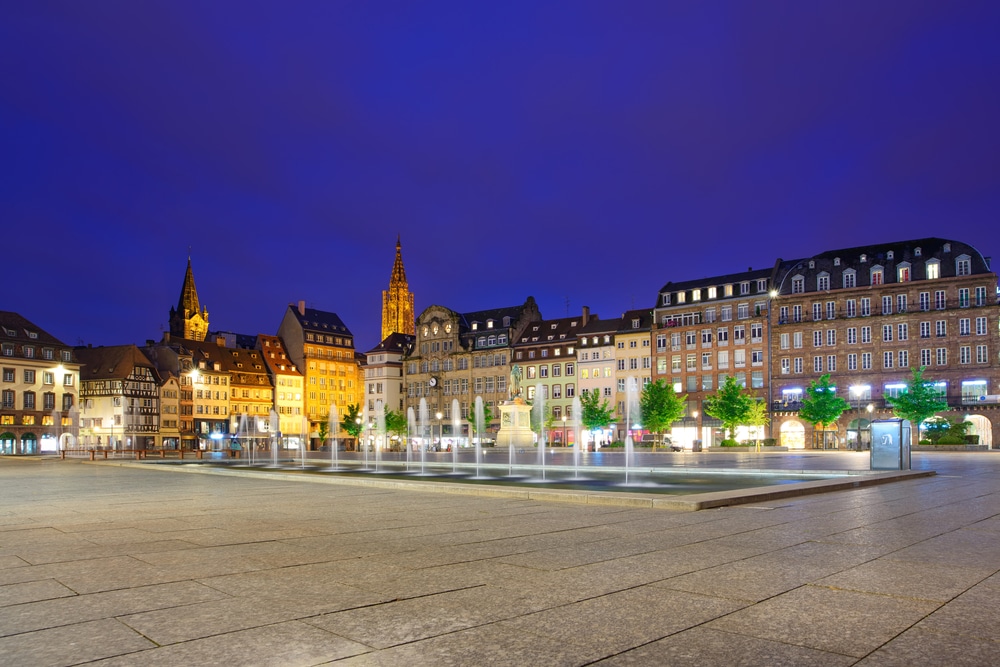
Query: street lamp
[[358, 438], [564, 442]]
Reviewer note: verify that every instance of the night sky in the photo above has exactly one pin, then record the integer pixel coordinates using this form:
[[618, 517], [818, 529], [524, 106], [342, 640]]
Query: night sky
[[584, 153]]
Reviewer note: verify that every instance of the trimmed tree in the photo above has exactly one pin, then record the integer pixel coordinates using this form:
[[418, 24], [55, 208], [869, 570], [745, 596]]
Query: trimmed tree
[[821, 406], [395, 423], [919, 401], [731, 405], [487, 418], [758, 417], [594, 414], [350, 422], [660, 407], [324, 431]]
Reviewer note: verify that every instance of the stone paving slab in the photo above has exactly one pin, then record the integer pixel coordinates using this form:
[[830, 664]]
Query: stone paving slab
[[115, 565]]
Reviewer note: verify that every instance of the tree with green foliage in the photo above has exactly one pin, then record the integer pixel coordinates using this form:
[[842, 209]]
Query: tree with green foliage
[[660, 407], [594, 414], [821, 406], [919, 401], [731, 405], [758, 417], [487, 418], [324, 431], [350, 422], [395, 423]]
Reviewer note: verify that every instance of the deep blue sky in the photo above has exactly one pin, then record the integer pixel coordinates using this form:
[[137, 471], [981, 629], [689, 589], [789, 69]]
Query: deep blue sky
[[580, 151]]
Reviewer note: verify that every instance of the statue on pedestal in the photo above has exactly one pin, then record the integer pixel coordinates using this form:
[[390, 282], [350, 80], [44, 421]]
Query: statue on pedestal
[[515, 382]]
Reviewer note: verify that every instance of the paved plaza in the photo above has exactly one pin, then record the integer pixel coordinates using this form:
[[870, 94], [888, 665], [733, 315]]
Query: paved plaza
[[102, 564]]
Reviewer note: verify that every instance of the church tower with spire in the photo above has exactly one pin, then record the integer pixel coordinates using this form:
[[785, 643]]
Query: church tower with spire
[[397, 301], [188, 320]]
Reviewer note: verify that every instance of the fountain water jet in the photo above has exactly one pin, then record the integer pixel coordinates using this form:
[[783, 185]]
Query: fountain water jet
[[424, 419], [456, 430], [480, 417], [380, 432], [274, 425], [411, 427], [539, 410], [334, 426]]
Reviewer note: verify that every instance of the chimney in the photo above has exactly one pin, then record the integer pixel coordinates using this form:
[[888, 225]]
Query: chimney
[[302, 308], [586, 315]]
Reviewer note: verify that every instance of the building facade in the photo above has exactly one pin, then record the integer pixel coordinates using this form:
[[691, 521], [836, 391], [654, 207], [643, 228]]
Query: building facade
[[707, 330], [867, 315], [322, 348], [251, 397], [458, 356], [38, 389], [289, 399], [546, 353], [384, 373], [633, 367], [119, 398], [595, 356]]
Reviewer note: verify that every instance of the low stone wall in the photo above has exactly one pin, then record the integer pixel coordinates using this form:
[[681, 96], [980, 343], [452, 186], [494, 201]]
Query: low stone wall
[[949, 448], [746, 449]]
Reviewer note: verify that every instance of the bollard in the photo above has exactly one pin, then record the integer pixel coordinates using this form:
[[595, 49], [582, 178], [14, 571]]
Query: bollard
[[181, 451], [92, 452]]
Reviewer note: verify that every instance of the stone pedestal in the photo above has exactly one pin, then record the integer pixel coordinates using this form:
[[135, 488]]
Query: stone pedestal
[[515, 425]]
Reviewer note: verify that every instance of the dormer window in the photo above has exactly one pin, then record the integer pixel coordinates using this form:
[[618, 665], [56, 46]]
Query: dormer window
[[877, 276], [798, 284], [864, 258], [489, 324], [762, 285], [812, 264], [850, 278], [506, 321], [889, 254], [635, 324], [933, 269], [745, 287], [664, 301], [712, 292], [917, 252], [475, 326], [947, 247], [836, 261], [696, 295], [727, 290], [823, 282], [680, 297], [903, 273], [963, 265]]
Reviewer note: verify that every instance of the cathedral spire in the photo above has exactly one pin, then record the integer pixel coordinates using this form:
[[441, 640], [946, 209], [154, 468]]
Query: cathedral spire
[[189, 293], [189, 320], [397, 301]]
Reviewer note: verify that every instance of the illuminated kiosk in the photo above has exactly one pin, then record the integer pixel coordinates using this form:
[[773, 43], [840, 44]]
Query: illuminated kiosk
[[890, 444], [515, 424]]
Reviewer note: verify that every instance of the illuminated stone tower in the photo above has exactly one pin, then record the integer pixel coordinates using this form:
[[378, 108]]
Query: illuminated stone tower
[[397, 301], [188, 320]]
